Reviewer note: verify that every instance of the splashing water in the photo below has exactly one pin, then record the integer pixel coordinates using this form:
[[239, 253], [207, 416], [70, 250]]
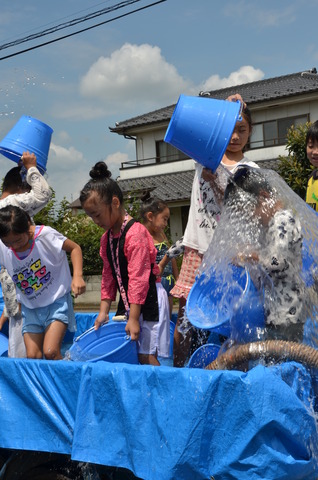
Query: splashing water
[[270, 233]]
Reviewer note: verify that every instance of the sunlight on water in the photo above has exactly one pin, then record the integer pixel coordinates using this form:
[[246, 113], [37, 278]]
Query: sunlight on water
[[272, 235]]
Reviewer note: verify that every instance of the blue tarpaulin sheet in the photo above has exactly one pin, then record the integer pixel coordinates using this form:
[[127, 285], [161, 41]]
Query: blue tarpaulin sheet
[[164, 423]]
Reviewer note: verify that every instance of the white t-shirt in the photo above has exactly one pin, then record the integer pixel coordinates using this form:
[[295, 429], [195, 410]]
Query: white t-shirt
[[44, 275], [204, 210]]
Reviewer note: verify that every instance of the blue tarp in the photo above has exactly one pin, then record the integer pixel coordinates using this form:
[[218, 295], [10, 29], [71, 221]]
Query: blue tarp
[[164, 423]]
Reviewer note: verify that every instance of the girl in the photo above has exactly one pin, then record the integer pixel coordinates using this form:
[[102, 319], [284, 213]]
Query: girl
[[205, 208], [155, 215], [36, 261], [270, 244], [129, 258]]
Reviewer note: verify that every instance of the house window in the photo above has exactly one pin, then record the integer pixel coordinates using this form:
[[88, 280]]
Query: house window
[[168, 153], [269, 134]]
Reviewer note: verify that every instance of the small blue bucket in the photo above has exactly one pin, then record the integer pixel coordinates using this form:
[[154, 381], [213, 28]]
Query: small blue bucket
[[202, 128], [109, 343], [4, 343], [204, 355], [227, 304], [28, 134]]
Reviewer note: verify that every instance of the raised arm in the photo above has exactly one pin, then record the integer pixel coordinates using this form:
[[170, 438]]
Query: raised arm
[[40, 193]]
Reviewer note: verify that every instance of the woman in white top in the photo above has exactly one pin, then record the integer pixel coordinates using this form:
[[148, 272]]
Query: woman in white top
[[205, 208]]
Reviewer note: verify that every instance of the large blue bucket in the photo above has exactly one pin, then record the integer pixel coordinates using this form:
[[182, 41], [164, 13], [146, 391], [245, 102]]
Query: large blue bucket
[[109, 343], [227, 304], [202, 128], [204, 355], [3, 345], [28, 134]]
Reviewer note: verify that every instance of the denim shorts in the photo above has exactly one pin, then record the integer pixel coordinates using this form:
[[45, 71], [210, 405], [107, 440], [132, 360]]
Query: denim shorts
[[36, 320]]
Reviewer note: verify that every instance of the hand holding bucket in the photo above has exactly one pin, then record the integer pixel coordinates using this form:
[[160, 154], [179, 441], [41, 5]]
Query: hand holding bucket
[[202, 127], [28, 134]]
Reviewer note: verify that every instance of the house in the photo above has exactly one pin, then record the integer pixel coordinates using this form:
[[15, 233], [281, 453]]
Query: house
[[275, 103]]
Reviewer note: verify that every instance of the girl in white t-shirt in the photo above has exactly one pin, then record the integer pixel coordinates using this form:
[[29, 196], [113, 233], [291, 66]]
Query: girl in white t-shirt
[[205, 208], [35, 257]]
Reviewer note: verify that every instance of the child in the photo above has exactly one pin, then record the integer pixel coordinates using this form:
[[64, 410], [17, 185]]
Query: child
[[205, 209], [36, 261], [269, 243], [31, 195], [155, 215], [312, 155], [129, 258]]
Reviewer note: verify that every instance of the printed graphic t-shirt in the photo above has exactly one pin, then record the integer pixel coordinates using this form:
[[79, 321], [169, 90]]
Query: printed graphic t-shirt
[[44, 275]]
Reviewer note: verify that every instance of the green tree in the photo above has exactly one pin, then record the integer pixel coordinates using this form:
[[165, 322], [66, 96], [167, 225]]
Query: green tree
[[79, 228], [295, 168]]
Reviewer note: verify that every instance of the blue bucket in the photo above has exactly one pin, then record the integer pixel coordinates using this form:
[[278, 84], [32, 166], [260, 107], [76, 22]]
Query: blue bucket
[[109, 343], [227, 304], [172, 328], [202, 128], [204, 355], [28, 134], [4, 343]]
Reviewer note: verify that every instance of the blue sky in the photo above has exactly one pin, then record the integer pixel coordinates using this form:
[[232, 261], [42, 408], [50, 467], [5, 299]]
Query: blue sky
[[82, 85]]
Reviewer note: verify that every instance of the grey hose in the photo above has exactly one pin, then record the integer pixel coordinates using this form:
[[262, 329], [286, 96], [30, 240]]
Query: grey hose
[[270, 350]]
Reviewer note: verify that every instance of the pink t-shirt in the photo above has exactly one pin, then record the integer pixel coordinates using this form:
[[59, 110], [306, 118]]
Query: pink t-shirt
[[140, 253]]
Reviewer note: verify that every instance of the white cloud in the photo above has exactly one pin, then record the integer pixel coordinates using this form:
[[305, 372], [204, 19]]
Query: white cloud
[[67, 171], [244, 74], [114, 161], [131, 75]]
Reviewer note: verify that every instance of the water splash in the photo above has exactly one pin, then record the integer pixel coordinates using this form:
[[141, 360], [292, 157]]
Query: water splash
[[271, 232]]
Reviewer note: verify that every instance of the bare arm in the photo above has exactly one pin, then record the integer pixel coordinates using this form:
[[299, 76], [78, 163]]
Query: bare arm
[[78, 284]]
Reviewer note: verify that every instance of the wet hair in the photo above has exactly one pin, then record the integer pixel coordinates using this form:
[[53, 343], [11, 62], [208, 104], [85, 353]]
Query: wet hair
[[13, 220], [102, 184], [249, 180], [151, 204], [13, 182], [312, 133]]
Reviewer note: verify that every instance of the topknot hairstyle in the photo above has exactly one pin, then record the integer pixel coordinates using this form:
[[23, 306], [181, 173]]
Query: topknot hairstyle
[[101, 183]]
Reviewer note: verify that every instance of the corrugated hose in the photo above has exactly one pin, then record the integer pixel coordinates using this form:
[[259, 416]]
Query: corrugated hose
[[269, 350]]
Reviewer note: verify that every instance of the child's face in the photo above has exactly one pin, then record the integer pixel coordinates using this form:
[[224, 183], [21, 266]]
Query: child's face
[[17, 241], [312, 152], [240, 136], [160, 221], [105, 216]]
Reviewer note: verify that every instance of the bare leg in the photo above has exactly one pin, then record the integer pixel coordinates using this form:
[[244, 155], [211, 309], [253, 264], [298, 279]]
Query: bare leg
[[53, 338], [145, 359], [34, 345], [170, 299], [181, 341]]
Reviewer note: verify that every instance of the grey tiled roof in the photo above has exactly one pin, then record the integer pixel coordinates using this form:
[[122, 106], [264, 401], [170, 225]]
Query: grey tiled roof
[[169, 187], [253, 93]]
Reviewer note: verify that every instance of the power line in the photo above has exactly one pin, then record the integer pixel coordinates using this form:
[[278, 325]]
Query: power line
[[68, 24], [81, 31]]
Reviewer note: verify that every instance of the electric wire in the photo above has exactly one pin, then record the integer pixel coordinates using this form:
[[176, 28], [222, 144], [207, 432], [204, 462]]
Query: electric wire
[[68, 24], [82, 30]]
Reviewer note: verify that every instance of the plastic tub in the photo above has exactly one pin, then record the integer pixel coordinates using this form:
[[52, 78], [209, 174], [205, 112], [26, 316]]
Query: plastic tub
[[109, 343], [204, 355], [229, 305]]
